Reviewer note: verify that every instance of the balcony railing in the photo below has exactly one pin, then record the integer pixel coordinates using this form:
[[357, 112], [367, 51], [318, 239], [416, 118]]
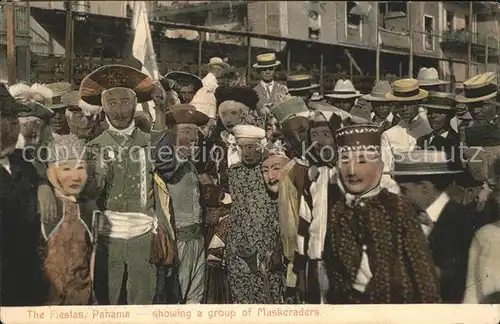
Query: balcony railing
[[462, 37], [394, 39], [21, 19]]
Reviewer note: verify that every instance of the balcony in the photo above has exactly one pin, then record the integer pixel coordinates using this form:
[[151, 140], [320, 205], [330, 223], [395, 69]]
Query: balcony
[[457, 40], [393, 39]]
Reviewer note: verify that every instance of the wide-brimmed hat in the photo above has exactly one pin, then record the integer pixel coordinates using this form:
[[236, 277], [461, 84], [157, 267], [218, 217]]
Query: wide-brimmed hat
[[379, 91], [289, 108], [300, 82], [266, 60], [358, 137], [423, 162], [184, 78], [406, 90], [58, 90], [344, 89], [478, 88], [218, 62], [441, 101], [185, 114], [35, 109], [429, 77], [113, 76]]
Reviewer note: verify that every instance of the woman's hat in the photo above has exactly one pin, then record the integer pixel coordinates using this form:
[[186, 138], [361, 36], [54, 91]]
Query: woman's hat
[[249, 131], [440, 100], [266, 61], [58, 90], [429, 77], [185, 114], [113, 76], [379, 91], [35, 109], [406, 90], [479, 88], [344, 89], [184, 78], [217, 61], [289, 108], [358, 137], [423, 162], [300, 82]]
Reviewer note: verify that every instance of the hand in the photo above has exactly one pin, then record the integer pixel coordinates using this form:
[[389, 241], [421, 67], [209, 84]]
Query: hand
[[47, 203]]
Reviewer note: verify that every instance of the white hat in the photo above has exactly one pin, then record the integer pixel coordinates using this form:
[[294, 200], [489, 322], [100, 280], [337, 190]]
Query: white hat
[[429, 77], [344, 89], [249, 131], [218, 61], [205, 102]]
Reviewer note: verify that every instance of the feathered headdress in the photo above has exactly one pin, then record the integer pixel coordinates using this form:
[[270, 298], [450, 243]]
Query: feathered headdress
[[24, 93], [244, 95]]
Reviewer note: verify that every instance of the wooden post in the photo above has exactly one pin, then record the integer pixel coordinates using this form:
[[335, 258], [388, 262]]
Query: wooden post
[[410, 35], [321, 68], [288, 58], [377, 38], [486, 53], [249, 60], [69, 42], [351, 72], [400, 69], [200, 52], [11, 45], [469, 44]]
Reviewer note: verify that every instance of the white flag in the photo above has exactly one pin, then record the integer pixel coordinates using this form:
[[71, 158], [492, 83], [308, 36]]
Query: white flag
[[142, 48]]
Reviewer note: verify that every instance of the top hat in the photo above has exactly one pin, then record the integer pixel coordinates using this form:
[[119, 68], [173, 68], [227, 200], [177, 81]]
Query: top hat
[[441, 101], [344, 89], [58, 90], [266, 61], [300, 82], [379, 91], [429, 77], [113, 76], [185, 114], [358, 137], [184, 78], [289, 108], [478, 88], [217, 61], [406, 90], [423, 162]]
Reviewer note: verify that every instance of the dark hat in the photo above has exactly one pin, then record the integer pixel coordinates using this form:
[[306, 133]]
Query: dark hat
[[441, 101], [300, 82], [358, 137], [35, 109], [184, 78], [244, 95], [112, 76], [185, 114], [58, 90], [9, 107]]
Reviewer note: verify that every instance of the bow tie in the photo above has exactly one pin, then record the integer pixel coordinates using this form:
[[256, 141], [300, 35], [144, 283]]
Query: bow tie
[[425, 219]]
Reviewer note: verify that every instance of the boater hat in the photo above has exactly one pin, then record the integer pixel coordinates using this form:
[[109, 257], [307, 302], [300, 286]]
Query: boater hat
[[58, 90], [441, 101], [429, 77], [266, 61], [423, 162], [379, 91], [358, 138], [479, 88], [344, 89], [184, 78], [406, 90], [113, 76], [185, 114], [300, 82]]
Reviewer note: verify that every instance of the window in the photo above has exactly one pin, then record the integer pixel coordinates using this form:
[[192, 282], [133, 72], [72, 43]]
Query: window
[[450, 20], [428, 33], [353, 21], [391, 13]]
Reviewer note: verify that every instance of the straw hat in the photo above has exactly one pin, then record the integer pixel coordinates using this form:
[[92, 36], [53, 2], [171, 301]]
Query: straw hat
[[344, 89], [58, 90], [266, 61], [429, 77], [478, 88], [406, 90], [379, 91], [300, 82], [423, 162], [217, 61], [441, 101]]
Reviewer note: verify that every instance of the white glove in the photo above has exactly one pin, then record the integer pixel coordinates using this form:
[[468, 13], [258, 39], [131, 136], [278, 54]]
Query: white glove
[[364, 273]]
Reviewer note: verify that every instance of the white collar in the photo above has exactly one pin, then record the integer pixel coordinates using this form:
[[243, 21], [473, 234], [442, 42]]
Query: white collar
[[6, 164], [127, 131], [436, 208], [267, 84], [302, 161], [389, 117]]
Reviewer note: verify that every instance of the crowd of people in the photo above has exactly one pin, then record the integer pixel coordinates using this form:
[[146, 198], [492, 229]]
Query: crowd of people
[[230, 194]]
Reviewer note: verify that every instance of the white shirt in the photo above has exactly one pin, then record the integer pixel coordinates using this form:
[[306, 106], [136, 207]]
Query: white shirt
[[5, 163], [443, 135], [210, 81], [269, 87], [435, 210], [454, 123], [389, 118]]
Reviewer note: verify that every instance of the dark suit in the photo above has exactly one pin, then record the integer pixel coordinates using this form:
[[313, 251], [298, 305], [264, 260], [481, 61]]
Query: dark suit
[[447, 143], [449, 242]]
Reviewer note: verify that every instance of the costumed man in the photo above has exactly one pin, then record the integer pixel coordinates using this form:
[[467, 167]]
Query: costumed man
[[59, 122], [312, 283], [407, 98], [293, 116], [482, 139], [424, 177], [83, 119], [375, 250], [176, 152], [20, 265], [187, 85], [344, 95], [69, 238], [270, 92], [125, 198], [382, 113], [253, 229]]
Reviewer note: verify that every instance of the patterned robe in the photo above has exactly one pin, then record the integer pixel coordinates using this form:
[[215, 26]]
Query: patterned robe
[[252, 231]]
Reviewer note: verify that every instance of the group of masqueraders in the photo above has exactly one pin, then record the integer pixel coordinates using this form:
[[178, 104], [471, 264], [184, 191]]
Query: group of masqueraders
[[265, 195]]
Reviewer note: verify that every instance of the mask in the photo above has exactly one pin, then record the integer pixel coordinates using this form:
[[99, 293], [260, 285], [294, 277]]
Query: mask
[[231, 113], [271, 172], [84, 127], [186, 139], [31, 129], [69, 177], [119, 106], [295, 131], [360, 171], [323, 142], [251, 151]]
